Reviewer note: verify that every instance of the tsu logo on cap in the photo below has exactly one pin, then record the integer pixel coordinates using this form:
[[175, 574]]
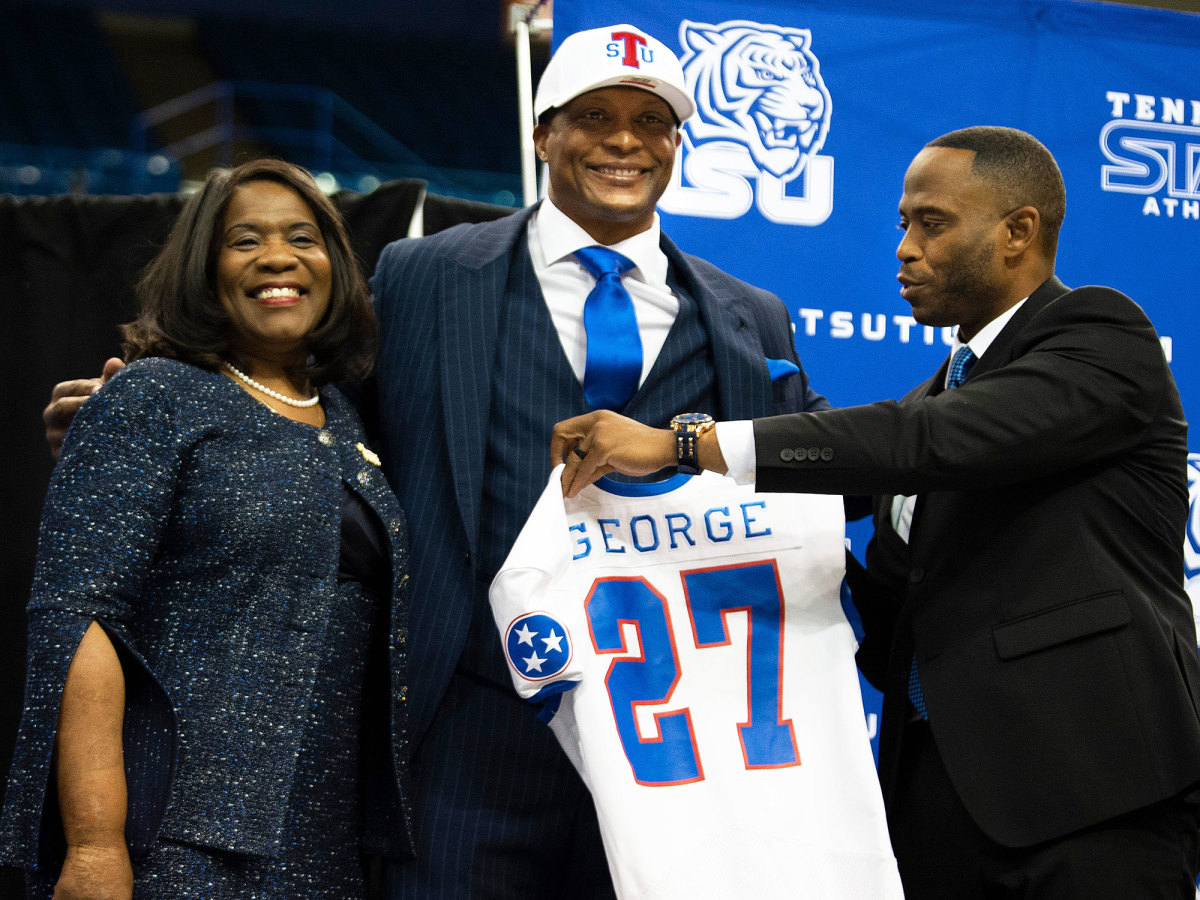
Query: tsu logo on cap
[[616, 56], [538, 646]]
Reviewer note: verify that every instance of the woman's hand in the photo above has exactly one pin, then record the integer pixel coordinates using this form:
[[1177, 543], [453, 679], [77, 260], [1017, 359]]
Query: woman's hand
[[96, 871]]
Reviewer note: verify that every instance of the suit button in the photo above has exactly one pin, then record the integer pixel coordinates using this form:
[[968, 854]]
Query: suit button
[[827, 453], [814, 453], [787, 454], [916, 575]]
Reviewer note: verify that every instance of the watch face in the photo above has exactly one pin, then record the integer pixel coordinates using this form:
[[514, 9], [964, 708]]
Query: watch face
[[686, 419]]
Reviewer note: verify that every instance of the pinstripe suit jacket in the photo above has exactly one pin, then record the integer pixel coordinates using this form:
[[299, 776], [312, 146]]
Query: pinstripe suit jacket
[[438, 300]]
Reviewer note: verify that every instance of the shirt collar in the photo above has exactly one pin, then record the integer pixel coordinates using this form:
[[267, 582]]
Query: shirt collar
[[988, 333], [560, 236]]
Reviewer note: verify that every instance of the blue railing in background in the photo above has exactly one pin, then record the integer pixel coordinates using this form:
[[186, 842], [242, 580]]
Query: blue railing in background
[[308, 125], [43, 170]]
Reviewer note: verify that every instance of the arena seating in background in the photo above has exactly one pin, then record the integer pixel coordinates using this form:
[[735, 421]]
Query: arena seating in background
[[67, 107], [446, 101]]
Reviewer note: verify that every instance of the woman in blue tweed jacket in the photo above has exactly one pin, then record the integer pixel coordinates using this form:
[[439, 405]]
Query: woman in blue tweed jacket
[[217, 623]]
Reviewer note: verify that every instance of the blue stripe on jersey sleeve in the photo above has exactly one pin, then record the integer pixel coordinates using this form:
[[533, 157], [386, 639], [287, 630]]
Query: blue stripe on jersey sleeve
[[550, 697]]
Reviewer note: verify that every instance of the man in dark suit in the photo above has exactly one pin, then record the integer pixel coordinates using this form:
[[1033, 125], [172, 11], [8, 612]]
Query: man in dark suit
[[1023, 597], [483, 348]]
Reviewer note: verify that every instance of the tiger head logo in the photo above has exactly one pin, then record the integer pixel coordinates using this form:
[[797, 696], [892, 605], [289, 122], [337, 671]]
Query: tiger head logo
[[759, 86]]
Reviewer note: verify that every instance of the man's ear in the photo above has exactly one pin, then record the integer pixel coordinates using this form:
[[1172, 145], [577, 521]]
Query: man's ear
[[540, 133], [1024, 229]]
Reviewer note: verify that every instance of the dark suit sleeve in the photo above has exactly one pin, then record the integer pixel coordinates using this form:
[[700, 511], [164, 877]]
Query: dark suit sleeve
[[1086, 379]]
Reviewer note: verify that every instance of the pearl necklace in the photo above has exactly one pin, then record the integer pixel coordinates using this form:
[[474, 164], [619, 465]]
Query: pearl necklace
[[282, 398]]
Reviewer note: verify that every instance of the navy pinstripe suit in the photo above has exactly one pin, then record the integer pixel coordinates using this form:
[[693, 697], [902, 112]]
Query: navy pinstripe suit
[[490, 779]]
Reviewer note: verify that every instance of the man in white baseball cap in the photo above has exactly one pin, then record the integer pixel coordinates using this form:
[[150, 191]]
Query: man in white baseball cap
[[500, 810], [609, 108], [484, 348]]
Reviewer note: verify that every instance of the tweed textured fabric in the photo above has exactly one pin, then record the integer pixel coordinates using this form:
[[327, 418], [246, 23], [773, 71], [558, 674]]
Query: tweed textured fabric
[[201, 530]]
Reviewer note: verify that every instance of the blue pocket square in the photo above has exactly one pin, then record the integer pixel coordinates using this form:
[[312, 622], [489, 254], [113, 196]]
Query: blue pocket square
[[781, 368]]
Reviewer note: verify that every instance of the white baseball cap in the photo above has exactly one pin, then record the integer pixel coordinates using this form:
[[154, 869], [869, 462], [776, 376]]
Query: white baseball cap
[[616, 56]]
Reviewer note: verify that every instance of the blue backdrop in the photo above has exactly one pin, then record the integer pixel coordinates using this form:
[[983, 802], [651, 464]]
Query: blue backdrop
[[810, 112]]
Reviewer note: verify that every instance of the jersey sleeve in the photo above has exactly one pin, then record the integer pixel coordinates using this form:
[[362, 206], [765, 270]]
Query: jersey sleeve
[[537, 616]]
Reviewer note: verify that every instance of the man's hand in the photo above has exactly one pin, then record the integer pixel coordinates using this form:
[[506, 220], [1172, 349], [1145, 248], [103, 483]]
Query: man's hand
[[96, 872], [602, 442], [65, 400]]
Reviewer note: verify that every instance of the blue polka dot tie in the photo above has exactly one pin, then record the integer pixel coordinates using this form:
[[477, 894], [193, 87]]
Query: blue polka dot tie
[[614, 346], [960, 365]]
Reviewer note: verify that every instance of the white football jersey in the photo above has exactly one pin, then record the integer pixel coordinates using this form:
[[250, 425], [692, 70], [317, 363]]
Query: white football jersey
[[688, 643]]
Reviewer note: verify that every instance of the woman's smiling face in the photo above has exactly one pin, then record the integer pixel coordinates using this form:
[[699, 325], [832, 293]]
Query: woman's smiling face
[[273, 275]]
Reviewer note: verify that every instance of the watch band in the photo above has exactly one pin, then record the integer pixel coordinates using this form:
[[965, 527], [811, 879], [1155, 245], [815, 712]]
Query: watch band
[[688, 428]]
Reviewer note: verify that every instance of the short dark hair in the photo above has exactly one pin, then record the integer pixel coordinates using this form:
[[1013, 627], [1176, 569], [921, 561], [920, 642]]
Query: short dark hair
[[180, 316], [1021, 170]]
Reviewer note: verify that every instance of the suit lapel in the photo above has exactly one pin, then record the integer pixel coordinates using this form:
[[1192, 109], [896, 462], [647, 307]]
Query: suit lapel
[[743, 384], [998, 354], [1002, 349], [472, 287], [934, 385]]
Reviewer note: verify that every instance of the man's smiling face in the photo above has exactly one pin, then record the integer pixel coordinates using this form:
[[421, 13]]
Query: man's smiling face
[[610, 153]]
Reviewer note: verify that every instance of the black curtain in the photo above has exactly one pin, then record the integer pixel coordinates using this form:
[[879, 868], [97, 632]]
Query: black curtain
[[66, 282]]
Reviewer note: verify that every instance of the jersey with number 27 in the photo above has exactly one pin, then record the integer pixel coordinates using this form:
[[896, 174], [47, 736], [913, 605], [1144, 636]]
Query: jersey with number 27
[[687, 642]]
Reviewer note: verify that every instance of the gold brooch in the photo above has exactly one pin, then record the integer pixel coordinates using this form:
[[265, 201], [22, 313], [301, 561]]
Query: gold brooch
[[368, 454]]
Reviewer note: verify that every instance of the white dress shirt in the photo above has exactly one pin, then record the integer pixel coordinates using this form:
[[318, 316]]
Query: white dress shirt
[[553, 240]]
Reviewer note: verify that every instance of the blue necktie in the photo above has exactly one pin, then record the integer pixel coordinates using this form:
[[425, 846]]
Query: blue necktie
[[614, 346], [960, 365]]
